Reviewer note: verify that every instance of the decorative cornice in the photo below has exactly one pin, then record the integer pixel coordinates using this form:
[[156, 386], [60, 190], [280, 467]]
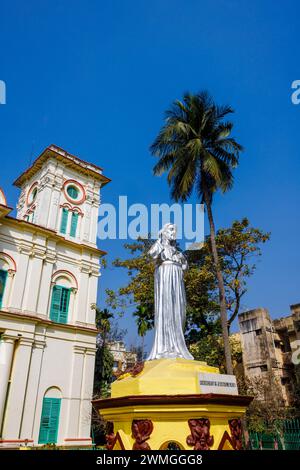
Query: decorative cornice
[[197, 399], [58, 154], [54, 235], [46, 322]]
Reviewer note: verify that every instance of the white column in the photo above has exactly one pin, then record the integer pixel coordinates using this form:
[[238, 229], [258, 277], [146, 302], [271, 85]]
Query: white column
[[92, 299], [87, 221], [6, 356], [45, 286], [87, 394], [43, 206], [72, 424], [27, 425], [94, 223], [19, 280], [33, 284], [82, 297], [54, 211], [14, 410]]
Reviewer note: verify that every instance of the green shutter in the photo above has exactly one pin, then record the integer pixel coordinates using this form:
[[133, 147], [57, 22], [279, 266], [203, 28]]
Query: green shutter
[[74, 221], [64, 220], [49, 421], [3, 278], [60, 304], [64, 305], [55, 303]]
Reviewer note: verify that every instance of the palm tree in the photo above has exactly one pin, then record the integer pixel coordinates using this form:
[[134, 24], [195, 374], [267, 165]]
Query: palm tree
[[196, 149]]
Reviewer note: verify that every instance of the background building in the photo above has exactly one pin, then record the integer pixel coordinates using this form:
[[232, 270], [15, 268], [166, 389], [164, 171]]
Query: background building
[[122, 359], [267, 350], [49, 269]]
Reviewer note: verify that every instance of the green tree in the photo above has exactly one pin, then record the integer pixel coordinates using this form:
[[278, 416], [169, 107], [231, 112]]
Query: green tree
[[104, 359], [239, 246], [196, 149], [103, 370]]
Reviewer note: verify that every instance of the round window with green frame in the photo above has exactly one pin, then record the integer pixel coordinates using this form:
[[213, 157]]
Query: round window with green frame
[[32, 194], [73, 192]]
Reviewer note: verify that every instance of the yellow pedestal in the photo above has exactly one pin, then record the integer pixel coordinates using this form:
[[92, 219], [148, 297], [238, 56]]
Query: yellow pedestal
[[164, 376], [163, 406]]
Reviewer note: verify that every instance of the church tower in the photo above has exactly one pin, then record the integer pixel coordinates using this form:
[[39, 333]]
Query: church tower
[[49, 271], [62, 193]]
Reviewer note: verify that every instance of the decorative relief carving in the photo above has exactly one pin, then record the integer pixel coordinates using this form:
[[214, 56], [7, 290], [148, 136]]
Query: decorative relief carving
[[133, 371], [141, 431], [200, 436], [236, 431]]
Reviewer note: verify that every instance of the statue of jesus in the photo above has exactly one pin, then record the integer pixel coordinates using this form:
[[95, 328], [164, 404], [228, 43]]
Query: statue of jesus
[[169, 297]]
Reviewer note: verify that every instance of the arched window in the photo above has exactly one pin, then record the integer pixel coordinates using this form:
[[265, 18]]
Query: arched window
[[60, 304], [49, 424], [68, 226], [7, 271], [64, 287]]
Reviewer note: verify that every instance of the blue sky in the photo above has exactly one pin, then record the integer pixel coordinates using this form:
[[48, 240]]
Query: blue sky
[[95, 77]]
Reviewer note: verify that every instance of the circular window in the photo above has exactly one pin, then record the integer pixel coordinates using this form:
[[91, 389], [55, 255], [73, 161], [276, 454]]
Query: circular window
[[72, 192], [32, 193]]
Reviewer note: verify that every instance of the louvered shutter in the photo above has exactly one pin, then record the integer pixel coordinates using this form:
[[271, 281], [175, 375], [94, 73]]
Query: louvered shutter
[[64, 220], [64, 305], [74, 221], [54, 420], [49, 421], [45, 421], [3, 277], [55, 303]]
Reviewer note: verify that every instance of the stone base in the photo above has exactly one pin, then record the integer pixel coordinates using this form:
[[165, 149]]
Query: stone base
[[160, 406]]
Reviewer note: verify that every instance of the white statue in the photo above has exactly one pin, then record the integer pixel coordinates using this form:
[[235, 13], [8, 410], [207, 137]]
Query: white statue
[[169, 297]]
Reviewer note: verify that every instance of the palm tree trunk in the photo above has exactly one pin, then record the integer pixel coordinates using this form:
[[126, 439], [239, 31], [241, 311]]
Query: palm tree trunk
[[223, 310]]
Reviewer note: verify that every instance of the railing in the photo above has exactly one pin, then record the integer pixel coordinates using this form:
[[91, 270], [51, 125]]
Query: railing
[[290, 439]]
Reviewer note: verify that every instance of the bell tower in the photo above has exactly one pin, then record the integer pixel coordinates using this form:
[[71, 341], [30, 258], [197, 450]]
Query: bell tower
[[62, 193]]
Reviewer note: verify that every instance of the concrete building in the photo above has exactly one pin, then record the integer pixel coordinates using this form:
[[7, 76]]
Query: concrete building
[[49, 269], [267, 350], [123, 359]]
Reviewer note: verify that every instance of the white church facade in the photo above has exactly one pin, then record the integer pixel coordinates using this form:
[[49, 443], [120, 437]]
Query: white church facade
[[49, 271]]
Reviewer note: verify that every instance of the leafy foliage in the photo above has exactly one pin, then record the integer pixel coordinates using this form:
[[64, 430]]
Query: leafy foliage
[[211, 350], [195, 147], [238, 246], [267, 412]]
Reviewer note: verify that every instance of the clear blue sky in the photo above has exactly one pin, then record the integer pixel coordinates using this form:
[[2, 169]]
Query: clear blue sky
[[95, 77]]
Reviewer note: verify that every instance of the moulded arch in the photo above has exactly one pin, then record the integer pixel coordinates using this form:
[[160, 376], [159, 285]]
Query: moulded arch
[[53, 392], [65, 278], [7, 262]]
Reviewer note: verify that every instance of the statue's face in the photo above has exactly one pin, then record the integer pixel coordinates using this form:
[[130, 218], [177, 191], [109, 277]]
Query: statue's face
[[170, 232]]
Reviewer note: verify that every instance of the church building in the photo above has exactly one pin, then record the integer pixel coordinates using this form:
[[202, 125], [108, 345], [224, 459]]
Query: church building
[[49, 270]]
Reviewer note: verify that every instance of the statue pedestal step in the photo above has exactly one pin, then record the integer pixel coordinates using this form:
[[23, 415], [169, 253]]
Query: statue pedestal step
[[160, 405], [162, 377]]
